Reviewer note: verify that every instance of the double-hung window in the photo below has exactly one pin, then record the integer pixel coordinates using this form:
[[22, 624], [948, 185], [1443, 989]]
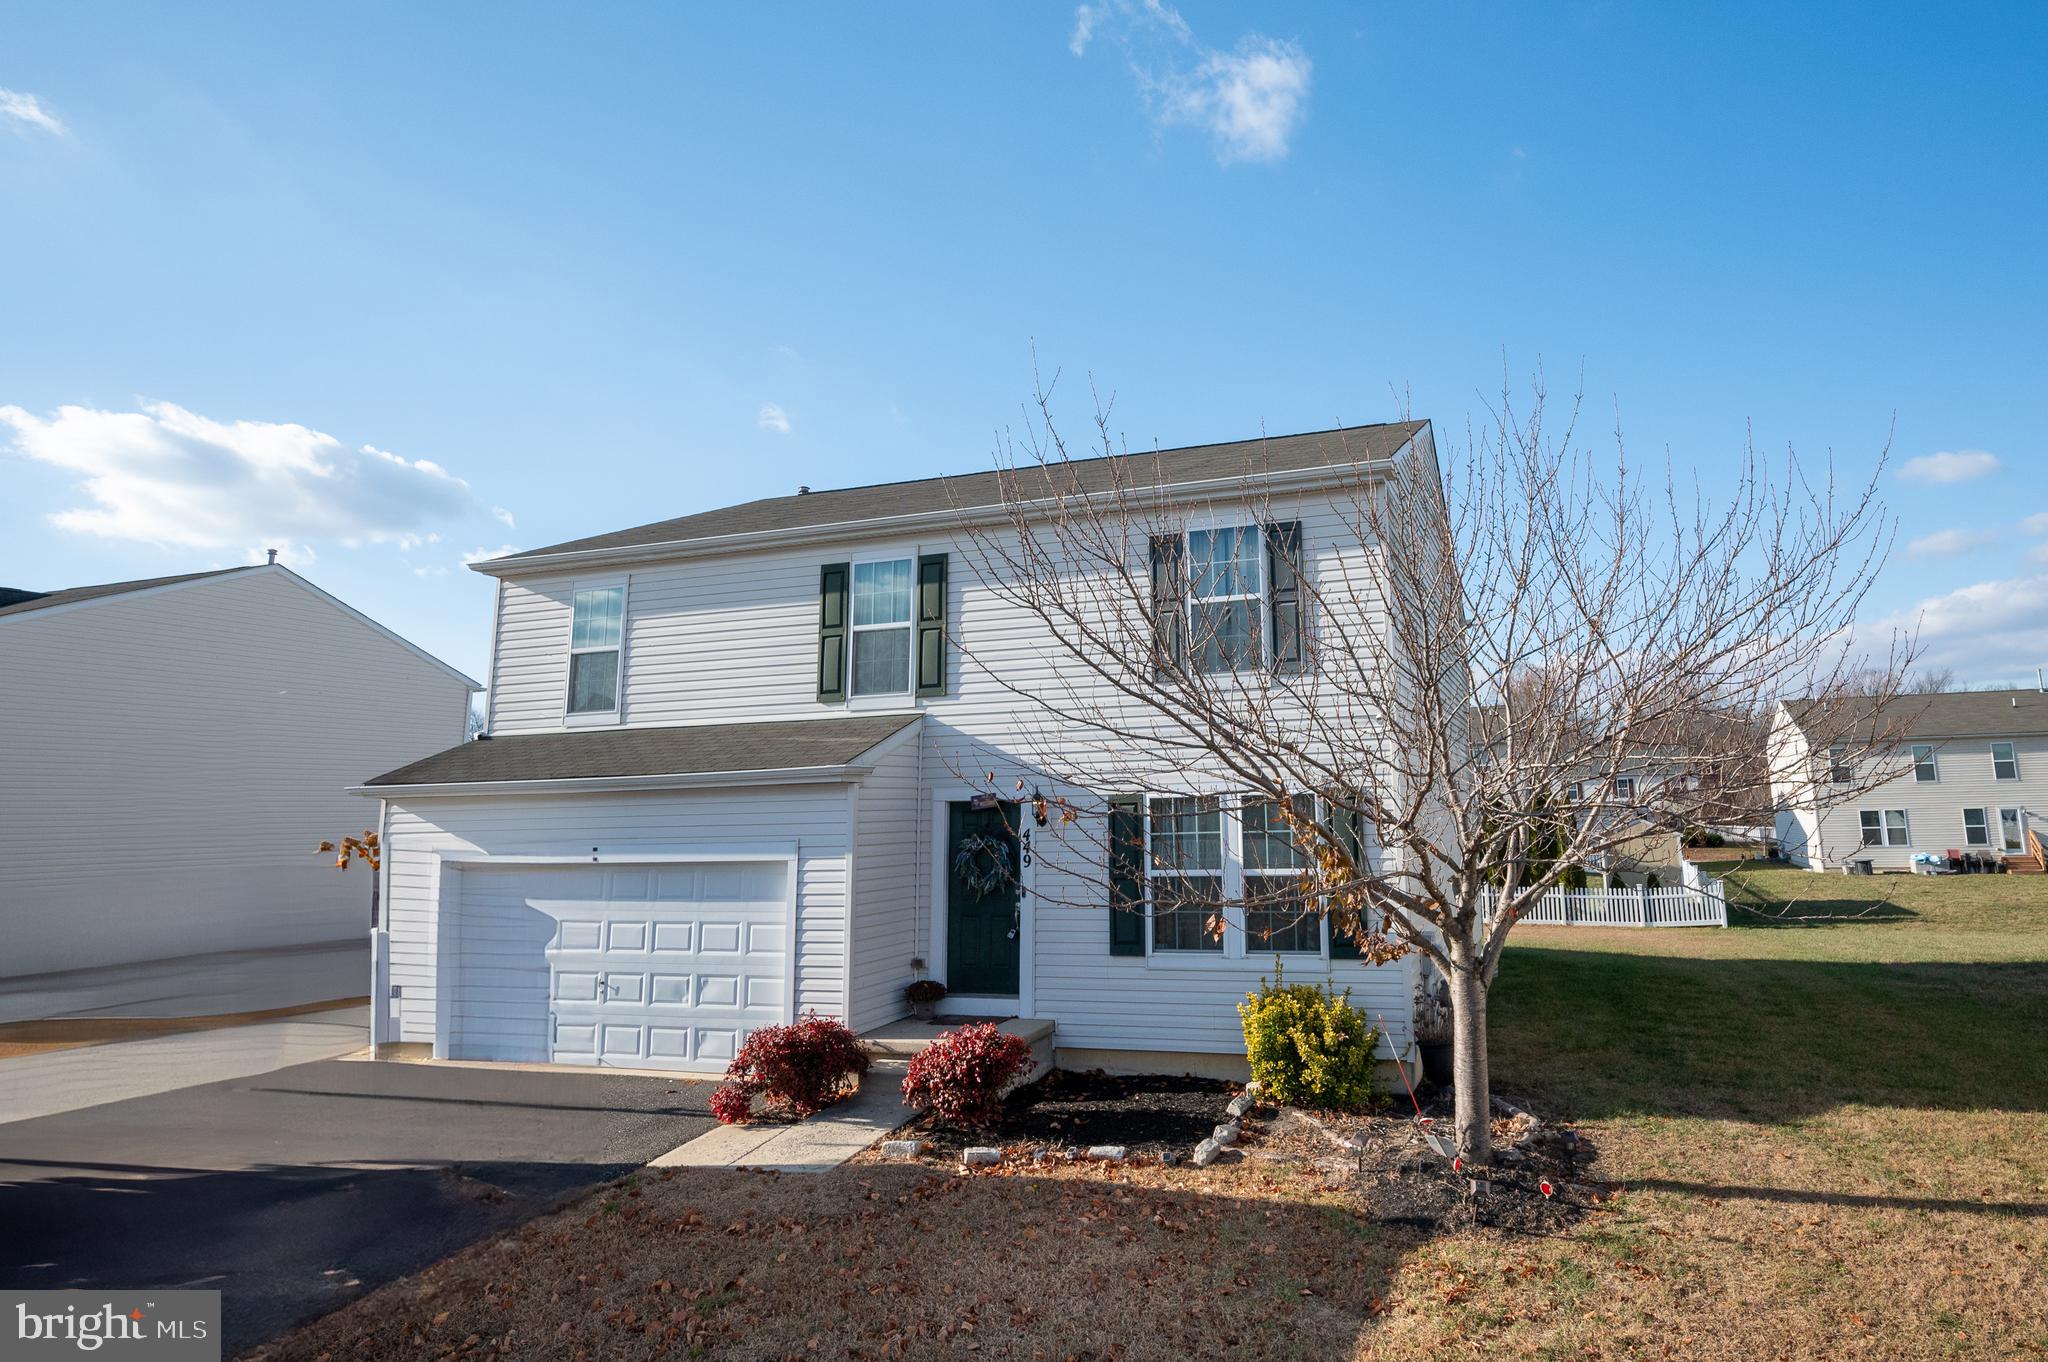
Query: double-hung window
[[2005, 761], [1187, 874], [1976, 831], [1277, 917], [1884, 827], [595, 629], [1624, 787], [881, 627], [1924, 769], [1840, 769], [1226, 592]]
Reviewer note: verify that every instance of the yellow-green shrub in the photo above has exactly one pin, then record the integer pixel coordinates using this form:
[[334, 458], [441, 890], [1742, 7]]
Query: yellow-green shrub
[[1308, 1046]]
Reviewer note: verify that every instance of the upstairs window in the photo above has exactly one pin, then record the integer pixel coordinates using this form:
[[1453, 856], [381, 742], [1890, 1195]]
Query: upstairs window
[[1187, 874], [881, 627], [1226, 589], [2005, 761], [1624, 787], [1840, 769], [1277, 917], [1923, 763], [597, 624]]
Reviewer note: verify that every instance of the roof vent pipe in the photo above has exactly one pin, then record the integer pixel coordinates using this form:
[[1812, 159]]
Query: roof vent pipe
[[2040, 683], [803, 490], [273, 556]]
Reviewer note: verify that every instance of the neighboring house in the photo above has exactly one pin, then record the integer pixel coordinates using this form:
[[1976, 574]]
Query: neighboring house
[[731, 776], [171, 753], [1962, 771]]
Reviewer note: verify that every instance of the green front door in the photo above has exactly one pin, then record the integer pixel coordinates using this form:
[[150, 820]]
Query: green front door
[[982, 927]]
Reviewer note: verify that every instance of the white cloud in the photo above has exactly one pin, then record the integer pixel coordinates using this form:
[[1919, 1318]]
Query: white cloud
[[478, 555], [2036, 523], [165, 475], [1987, 632], [26, 111], [1960, 465], [773, 418], [501, 513], [1942, 543], [1251, 99]]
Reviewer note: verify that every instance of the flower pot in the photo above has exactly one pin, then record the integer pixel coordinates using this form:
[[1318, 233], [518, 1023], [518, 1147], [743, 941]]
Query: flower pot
[[1436, 1061], [924, 1012]]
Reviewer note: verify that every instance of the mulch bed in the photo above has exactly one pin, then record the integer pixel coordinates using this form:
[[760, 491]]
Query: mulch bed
[[1398, 1179], [1148, 1114]]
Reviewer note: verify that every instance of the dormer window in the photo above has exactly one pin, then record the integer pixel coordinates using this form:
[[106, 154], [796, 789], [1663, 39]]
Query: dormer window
[[881, 627], [594, 632]]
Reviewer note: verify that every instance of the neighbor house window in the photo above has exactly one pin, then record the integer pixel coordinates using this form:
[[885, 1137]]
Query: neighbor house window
[[595, 628], [1976, 832], [1884, 827], [1923, 763], [1226, 583], [1187, 874], [1624, 787], [2009, 830], [1277, 917], [881, 627], [1574, 792], [2005, 761], [1840, 769]]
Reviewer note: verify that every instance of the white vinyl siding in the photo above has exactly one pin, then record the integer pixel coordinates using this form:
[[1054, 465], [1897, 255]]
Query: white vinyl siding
[[169, 760], [813, 818], [888, 879], [734, 637]]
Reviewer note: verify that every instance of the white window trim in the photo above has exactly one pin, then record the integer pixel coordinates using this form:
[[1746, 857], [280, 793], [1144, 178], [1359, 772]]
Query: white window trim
[[1618, 782], [1839, 764], [1259, 949], [2019, 822], [1262, 601], [1237, 949], [1884, 829], [1985, 815], [1933, 763], [598, 718], [2015, 749], [877, 698]]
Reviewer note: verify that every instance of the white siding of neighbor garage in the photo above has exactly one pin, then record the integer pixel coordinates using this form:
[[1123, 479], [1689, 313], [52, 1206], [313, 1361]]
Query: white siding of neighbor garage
[[733, 637], [169, 760], [423, 831]]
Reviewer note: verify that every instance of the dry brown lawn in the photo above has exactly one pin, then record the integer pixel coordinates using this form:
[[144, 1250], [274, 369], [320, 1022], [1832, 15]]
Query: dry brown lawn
[[1825, 1142]]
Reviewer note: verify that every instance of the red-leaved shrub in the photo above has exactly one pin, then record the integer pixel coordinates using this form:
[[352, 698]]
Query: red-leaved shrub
[[959, 1078], [795, 1069]]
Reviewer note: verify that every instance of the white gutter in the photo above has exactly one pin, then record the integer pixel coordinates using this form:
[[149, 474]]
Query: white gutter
[[1301, 479], [685, 780]]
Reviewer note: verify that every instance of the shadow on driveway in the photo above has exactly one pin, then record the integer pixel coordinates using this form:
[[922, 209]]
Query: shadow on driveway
[[296, 1191]]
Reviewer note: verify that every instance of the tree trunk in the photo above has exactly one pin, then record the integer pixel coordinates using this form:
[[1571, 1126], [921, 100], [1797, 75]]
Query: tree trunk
[[1470, 1085]]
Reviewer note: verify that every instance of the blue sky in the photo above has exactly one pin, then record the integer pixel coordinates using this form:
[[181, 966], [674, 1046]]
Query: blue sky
[[392, 285]]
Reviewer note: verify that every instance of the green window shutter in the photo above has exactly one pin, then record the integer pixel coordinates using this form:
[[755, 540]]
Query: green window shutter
[[1126, 875], [1349, 828], [931, 624], [1283, 564], [1169, 603], [832, 590]]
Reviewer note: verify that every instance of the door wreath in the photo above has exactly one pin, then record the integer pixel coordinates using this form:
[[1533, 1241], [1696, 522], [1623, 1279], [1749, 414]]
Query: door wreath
[[982, 863]]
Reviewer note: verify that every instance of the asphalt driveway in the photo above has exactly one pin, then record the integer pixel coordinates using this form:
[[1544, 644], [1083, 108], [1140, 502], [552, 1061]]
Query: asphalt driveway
[[294, 1191]]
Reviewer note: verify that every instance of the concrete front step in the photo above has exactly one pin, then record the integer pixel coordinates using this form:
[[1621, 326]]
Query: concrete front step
[[902, 1040]]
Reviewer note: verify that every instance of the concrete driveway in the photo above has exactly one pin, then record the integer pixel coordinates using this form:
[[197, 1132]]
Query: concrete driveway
[[294, 1191]]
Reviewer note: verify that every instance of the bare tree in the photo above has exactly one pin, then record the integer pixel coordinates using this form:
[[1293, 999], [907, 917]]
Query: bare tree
[[1433, 712]]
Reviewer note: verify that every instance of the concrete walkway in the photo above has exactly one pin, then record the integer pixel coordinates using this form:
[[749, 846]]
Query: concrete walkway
[[818, 1145], [69, 1080]]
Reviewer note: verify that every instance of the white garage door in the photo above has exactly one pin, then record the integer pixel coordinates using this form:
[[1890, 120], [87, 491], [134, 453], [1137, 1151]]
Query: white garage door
[[667, 966]]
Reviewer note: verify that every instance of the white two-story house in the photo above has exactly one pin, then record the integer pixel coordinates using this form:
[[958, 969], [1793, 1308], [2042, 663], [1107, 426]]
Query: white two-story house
[[1962, 772], [733, 761]]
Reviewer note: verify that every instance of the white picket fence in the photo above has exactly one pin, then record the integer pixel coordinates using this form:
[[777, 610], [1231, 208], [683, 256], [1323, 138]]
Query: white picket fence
[[1698, 902]]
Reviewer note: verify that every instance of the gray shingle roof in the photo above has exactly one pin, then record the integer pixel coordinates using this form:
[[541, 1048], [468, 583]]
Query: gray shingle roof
[[1194, 463], [692, 750], [1947, 714], [23, 602]]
